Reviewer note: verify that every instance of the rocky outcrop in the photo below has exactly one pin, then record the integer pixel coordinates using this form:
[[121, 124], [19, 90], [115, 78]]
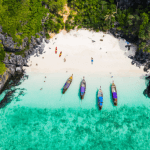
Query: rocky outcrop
[[125, 4], [147, 90], [4, 78]]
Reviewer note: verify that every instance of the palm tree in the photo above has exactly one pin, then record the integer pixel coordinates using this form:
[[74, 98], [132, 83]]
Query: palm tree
[[116, 7], [109, 15], [103, 3]]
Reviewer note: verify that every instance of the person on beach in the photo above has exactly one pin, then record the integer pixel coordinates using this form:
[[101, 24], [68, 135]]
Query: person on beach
[[56, 50], [64, 59], [60, 54], [91, 60]]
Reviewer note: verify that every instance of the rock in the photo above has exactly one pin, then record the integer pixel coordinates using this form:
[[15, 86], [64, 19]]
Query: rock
[[42, 45], [93, 41], [131, 57], [26, 54], [31, 46], [12, 60], [38, 41], [41, 50], [43, 34], [25, 62], [6, 59], [19, 60], [4, 78], [41, 39], [12, 69], [19, 70], [47, 41], [132, 62], [2, 38], [12, 55], [0, 29]]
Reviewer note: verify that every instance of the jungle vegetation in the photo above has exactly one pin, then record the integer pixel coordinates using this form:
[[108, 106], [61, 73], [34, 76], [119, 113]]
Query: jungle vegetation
[[24, 18]]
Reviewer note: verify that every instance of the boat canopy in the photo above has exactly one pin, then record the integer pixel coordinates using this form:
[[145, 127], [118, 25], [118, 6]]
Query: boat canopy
[[66, 85], [82, 93], [100, 100], [82, 89], [114, 95]]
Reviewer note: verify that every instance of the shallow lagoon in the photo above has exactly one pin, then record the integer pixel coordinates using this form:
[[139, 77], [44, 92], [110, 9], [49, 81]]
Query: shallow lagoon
[[44, 119]]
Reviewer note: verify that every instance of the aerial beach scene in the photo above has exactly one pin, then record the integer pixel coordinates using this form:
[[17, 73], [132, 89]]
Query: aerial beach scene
[[73, 84]]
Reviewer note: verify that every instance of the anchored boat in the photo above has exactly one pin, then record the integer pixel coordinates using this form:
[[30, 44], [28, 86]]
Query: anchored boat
[[114, 93], [82, 88], [67, 84], [100, 98]]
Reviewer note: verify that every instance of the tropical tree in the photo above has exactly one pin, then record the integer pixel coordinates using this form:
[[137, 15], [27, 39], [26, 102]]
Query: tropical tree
[[109, 15]]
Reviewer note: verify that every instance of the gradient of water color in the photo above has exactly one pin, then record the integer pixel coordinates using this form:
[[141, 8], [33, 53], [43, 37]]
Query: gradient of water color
[[44, 119]]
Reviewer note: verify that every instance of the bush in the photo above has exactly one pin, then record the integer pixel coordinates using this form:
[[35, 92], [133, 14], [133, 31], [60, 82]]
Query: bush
[[2, 68], [2, 53], [47, 36], [79, 27]]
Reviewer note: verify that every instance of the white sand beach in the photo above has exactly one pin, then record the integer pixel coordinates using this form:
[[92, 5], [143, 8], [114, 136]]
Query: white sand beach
[[77, 47]]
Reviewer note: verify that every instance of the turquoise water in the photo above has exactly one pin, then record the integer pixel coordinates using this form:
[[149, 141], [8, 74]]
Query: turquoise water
[[44, 119]]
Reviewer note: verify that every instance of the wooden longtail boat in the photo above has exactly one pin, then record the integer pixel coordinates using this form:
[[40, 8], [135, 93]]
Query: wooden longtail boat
[[114, 93], [100, 98], [67, 84], [82, 88]]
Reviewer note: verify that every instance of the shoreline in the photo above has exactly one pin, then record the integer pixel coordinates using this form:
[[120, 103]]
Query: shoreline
[[77, 47]]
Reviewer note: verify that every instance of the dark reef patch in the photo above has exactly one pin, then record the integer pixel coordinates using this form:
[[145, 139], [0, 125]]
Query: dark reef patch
[[125, 127]]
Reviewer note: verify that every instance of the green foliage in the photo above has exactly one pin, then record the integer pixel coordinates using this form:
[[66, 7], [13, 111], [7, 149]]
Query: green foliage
[[22, 18], [37, 36], [2, 53], [91, 14], [47, 36], [2, 56], [2, 68]]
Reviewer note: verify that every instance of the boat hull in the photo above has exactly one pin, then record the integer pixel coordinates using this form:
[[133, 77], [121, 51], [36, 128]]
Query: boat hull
[[64, 90], [100, 107], [84, 86], [100, 99], [115, 100], [69, 81], [82, 96]]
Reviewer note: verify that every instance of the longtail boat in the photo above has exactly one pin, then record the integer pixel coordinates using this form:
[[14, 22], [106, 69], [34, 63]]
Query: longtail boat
[[114, 93], [82, 88], [67, 84], [100, 98]]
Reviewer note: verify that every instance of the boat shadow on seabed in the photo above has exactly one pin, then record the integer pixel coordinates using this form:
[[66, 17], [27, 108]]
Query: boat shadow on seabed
[[111, 99], [96, 104]]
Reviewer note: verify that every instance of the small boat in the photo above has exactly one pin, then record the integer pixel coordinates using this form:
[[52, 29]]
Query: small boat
[[67, 84], [100, 98], [114, 93], [82, 88]]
